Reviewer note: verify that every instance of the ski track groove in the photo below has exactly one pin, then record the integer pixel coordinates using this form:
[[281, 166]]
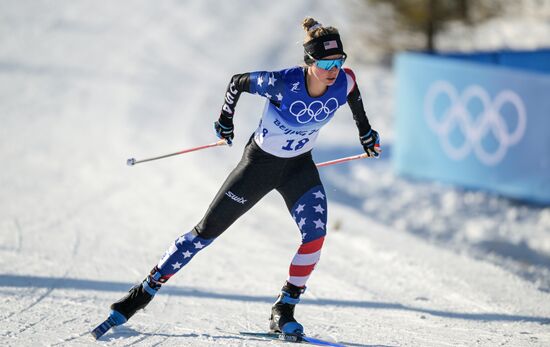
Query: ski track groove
[[329, 322], [70, 339], [111, 190], [145, 336], [19, 235], [247, 315], [74, 252], [31, 325], [81, 335], [151, 334], [245, 339], [18, 239], [40, 298], [161, 342], [75, 248]]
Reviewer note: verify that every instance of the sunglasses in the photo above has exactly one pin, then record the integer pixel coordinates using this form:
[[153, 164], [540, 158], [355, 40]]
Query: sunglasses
[[328, 64]]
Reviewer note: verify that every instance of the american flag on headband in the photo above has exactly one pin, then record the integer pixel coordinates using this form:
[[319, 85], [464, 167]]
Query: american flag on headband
[[331, 44]]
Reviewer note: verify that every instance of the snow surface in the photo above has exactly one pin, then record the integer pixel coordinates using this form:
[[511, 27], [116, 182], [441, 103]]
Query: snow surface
[[83, 87]]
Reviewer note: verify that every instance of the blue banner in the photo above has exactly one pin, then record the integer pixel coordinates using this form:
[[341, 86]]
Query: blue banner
[[475, 125], [536, 61]]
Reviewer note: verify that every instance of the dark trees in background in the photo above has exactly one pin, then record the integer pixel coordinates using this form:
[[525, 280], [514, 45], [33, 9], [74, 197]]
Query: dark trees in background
[[429, 16]]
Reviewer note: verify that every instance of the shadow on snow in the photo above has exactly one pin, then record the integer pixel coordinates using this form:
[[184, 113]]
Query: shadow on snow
[[83, 284]]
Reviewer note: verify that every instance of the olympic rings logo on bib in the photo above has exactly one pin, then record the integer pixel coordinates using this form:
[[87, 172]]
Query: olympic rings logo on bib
[[316, 110]]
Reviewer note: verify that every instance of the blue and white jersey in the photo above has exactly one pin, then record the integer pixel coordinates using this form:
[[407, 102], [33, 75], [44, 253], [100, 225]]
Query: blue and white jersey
[[291, 119]]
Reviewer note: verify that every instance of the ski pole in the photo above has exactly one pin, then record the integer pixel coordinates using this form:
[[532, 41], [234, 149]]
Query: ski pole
[[133, 161], [342, 160]]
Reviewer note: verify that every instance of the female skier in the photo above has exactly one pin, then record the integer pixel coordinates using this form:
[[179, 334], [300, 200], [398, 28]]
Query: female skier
[[300, 100]]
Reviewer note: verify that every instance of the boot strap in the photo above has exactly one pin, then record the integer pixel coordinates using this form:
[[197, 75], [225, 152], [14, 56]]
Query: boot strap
[[287, 299]]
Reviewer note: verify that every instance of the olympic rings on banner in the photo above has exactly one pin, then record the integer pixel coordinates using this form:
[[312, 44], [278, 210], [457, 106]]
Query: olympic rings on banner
[[490, 120]]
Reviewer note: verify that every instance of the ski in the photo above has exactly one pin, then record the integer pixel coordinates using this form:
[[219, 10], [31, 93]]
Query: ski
[[295, 338], [101, 329], [114, 319]]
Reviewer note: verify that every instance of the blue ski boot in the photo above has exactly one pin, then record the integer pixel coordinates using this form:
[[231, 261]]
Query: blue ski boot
[[137, 298], [282, 312]]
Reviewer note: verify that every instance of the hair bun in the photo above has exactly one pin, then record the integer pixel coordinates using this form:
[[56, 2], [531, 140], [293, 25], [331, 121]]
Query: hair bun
[[310, 24]]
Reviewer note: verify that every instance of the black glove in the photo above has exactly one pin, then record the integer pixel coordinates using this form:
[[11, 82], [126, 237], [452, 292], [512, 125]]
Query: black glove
[[224, 131], [371, 143]]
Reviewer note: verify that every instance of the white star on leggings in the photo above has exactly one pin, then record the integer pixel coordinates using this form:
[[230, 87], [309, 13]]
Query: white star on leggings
[[300, 208], [187, 254], [301, 223], [319, 224], [319, 209], [319, 195]]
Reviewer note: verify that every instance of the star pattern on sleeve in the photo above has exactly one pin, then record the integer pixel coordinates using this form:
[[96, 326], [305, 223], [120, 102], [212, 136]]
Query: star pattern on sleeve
[[271, 81], [319, 209], [269, 84]]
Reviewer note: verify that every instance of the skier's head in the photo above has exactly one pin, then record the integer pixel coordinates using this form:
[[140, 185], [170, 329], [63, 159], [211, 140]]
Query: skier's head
[[323, 50]]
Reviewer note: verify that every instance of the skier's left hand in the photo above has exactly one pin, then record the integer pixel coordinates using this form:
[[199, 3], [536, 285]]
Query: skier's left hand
[[371, 143]]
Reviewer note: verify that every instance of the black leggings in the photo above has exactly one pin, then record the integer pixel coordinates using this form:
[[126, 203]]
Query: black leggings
[[257, 174]]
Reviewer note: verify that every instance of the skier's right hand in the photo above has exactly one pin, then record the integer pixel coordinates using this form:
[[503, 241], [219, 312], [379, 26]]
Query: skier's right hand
[[224, 130]]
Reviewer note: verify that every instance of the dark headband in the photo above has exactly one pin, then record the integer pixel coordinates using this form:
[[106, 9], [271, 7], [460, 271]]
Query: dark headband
[[323, 46]]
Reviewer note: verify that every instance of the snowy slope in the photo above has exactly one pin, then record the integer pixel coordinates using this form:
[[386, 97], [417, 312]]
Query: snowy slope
[[84, 87]]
